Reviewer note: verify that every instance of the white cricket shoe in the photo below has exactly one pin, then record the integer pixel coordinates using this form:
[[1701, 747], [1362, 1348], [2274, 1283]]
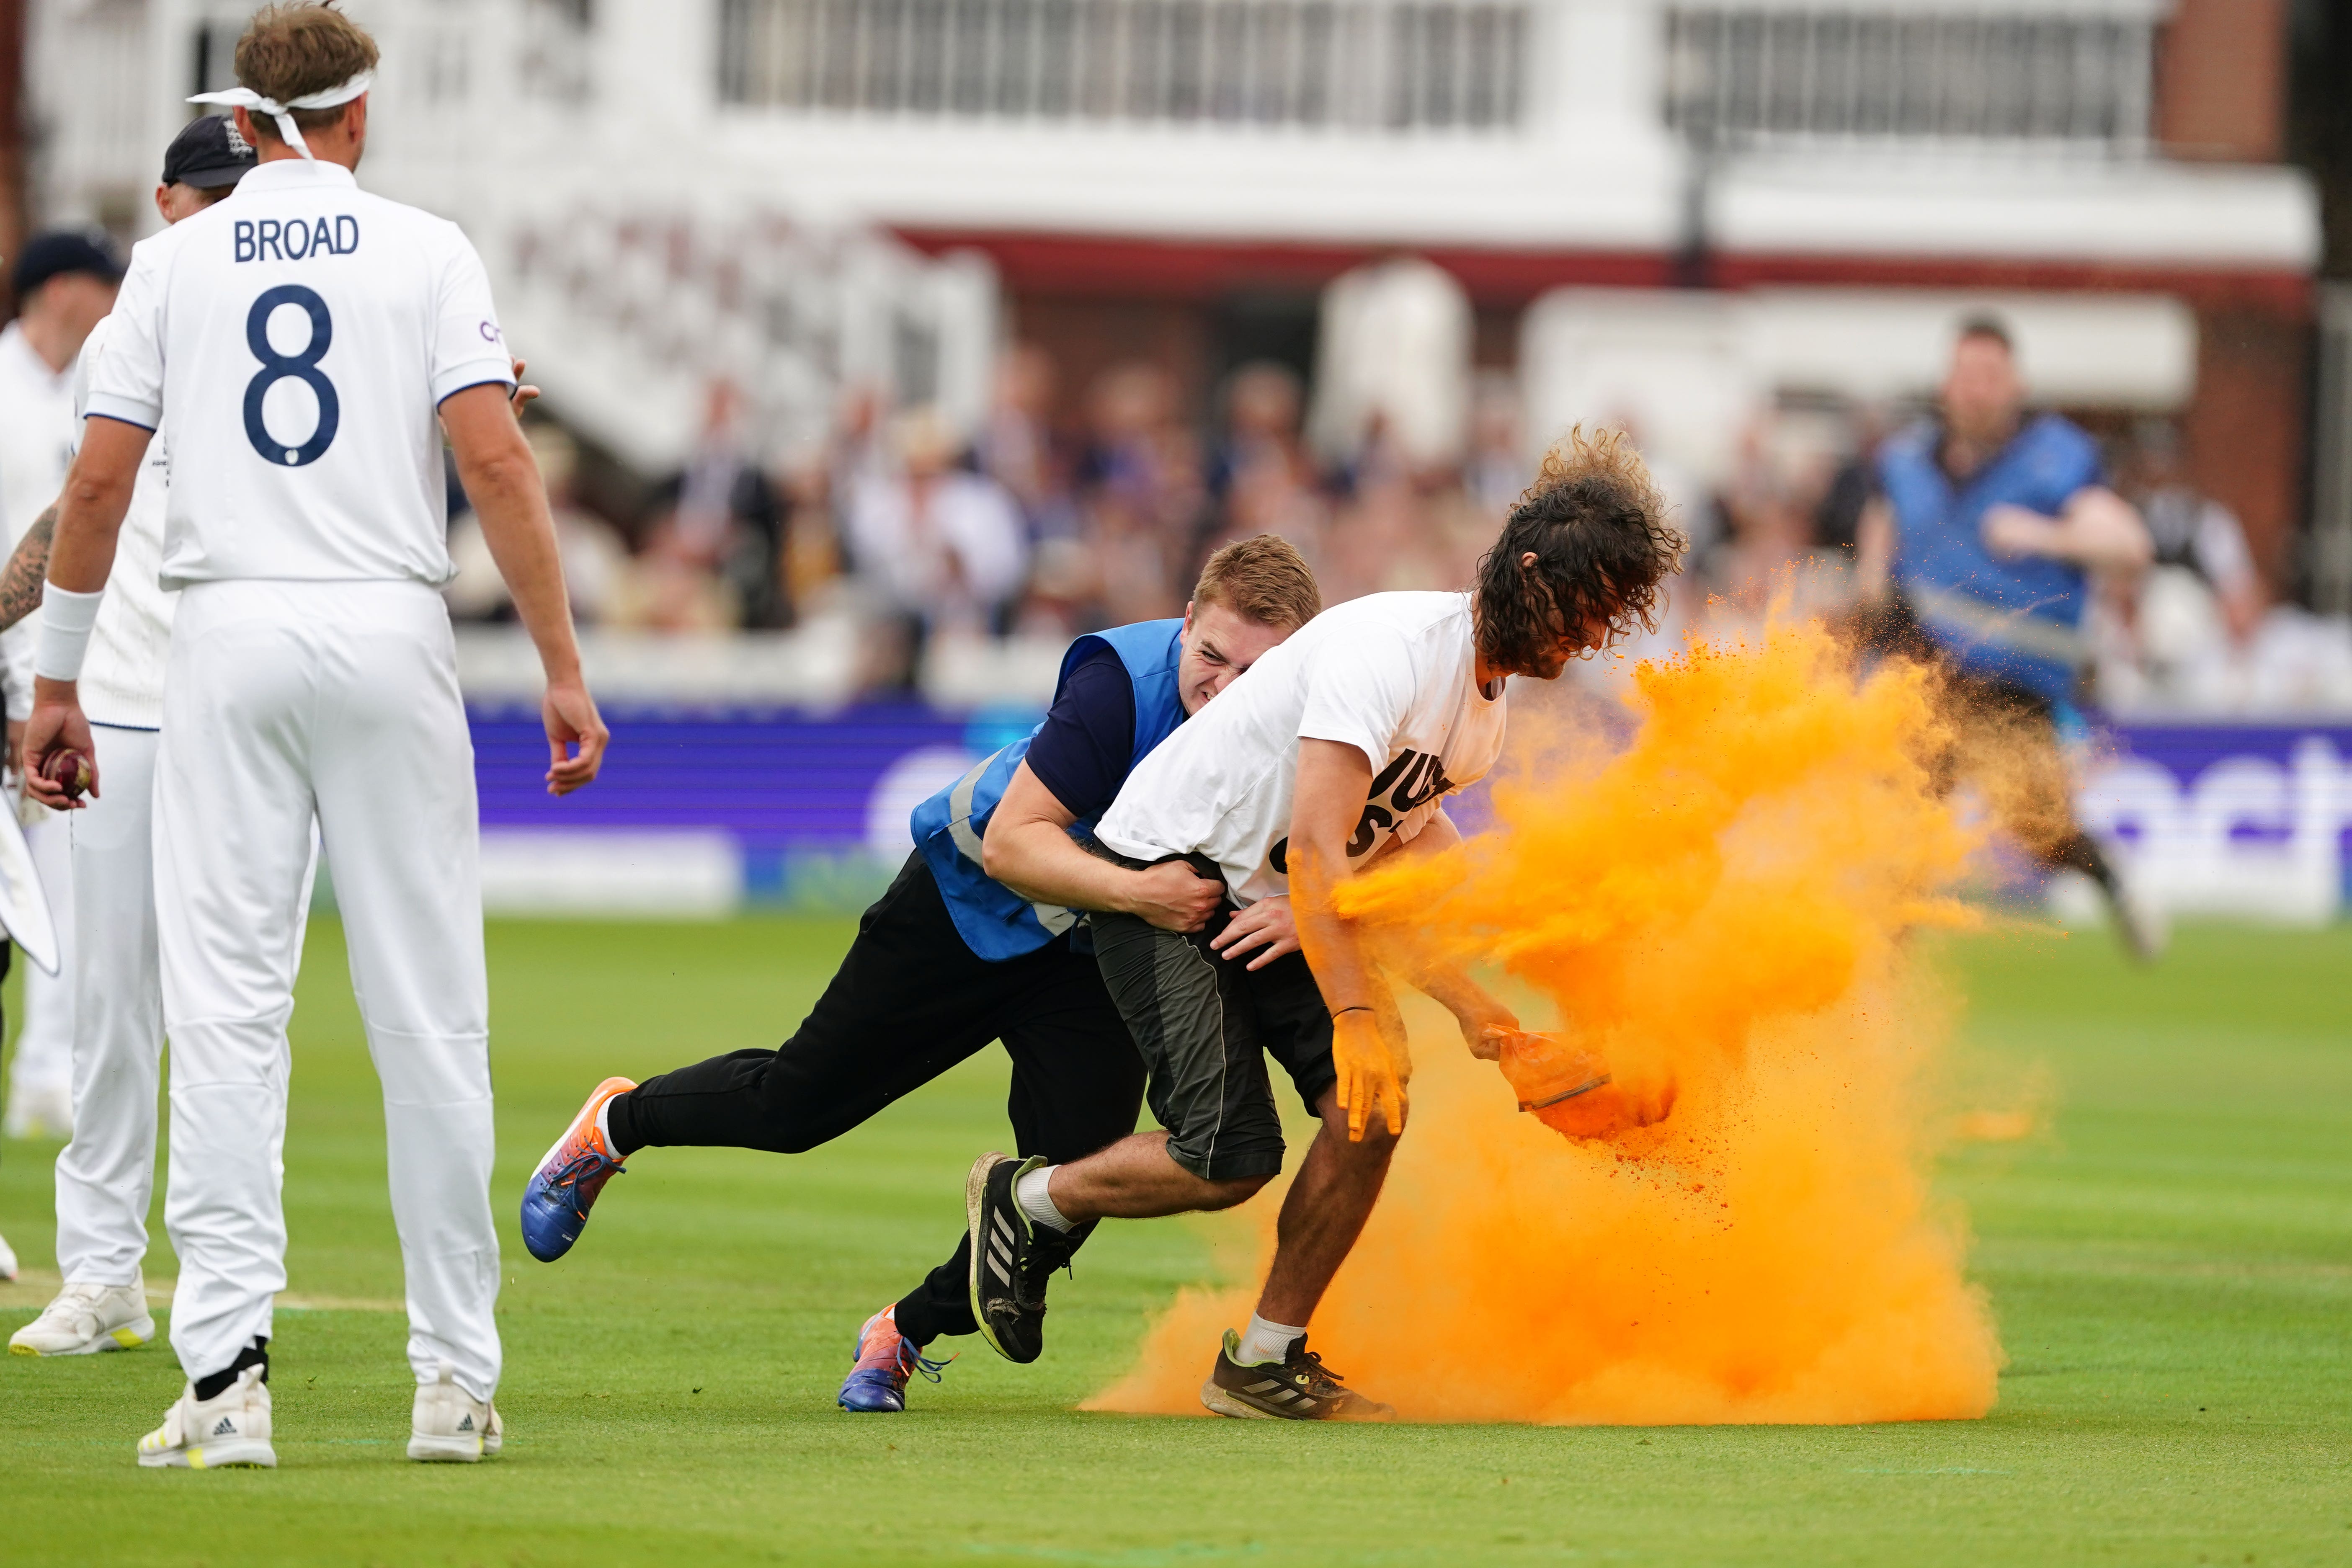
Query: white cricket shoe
[[7, 1262], [450, 1426], [40, 1110], [231, 1428], [87, 1319]]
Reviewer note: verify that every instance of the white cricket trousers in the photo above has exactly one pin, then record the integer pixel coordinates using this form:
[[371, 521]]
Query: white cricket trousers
[[107, 1174], [284, 700], [45, 1045]]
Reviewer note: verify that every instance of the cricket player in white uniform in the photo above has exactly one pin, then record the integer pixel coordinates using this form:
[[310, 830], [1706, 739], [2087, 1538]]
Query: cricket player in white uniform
[[65, 283], [294, 342], [106, 1174]]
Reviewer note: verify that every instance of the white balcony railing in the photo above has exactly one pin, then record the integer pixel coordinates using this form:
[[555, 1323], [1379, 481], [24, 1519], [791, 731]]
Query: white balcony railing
[[639, 310], [1365, 65], [1744, 75]]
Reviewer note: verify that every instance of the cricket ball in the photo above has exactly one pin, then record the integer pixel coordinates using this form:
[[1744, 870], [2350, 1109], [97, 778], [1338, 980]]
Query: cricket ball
[[70, 771]]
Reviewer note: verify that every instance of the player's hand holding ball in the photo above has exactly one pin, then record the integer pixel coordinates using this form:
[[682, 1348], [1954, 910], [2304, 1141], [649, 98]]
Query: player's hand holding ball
[[72, 773], [59, 753]]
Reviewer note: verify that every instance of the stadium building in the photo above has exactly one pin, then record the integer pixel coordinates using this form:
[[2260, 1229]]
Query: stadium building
[[1649, 209], [1699, 219]]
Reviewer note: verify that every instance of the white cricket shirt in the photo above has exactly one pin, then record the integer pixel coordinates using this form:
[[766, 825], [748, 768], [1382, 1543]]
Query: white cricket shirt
[[1393, 675], [36, 441], [122, 677], [293, 344]]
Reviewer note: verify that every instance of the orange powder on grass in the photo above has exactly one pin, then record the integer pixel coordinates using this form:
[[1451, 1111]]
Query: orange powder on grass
[[1718, 912]]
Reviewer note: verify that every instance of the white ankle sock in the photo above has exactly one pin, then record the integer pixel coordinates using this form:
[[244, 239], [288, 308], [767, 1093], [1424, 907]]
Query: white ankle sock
[[604, 1127], [1034, 1195], [1264, 1342]]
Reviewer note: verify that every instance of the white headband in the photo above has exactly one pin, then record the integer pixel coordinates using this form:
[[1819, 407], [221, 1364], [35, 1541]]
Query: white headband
[[245, 98]]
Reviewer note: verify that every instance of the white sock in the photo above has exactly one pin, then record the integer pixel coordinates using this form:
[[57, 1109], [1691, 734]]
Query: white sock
[[1033, 1194], [604, 1128], [1263, 1341]]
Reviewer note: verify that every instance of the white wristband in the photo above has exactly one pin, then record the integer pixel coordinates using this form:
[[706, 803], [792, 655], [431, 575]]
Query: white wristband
[[67, 618]]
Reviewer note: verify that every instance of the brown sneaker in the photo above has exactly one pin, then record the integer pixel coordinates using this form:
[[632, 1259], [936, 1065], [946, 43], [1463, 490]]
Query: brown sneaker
[[1297, 1388]]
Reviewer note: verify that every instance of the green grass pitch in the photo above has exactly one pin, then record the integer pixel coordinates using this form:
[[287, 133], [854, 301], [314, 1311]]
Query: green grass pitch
[[2172, 1267]]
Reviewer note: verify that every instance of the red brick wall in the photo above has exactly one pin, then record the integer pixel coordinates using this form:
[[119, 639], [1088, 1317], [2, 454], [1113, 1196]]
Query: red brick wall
[[1086, 335], [2220, 95], [12, 140], [2221, 80], [2245, 431]]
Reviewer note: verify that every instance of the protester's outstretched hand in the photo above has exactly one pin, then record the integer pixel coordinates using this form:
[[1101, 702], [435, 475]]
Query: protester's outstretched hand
[[1263, 933], [1494, 1041], [1371, 1078]]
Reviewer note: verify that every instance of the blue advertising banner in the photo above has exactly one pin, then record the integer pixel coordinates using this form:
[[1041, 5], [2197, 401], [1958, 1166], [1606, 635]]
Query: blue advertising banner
[[698, 812], [811, 807], [2239, 819]]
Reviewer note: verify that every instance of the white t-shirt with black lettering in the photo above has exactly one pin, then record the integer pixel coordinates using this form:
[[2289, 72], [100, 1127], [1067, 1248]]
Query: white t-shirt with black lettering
[[1393, 675], [293, 343]]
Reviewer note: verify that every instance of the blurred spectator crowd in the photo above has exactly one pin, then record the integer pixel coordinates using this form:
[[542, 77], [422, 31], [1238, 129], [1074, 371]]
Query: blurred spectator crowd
[[1059, 516], [1034, 527]]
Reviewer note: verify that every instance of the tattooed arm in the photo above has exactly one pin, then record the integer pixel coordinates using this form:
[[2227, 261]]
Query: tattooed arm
[[20, 595], [20, 580]]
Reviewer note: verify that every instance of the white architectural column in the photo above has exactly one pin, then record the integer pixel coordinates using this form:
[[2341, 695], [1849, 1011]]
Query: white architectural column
[[657, 63], [1596, 68]]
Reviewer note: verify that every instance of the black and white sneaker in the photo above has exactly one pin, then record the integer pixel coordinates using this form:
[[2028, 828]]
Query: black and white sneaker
[[1299, 1388], [1011, 1258]]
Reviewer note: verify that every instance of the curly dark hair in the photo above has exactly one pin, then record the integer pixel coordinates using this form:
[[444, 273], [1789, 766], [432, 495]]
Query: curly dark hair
[[1596, 527]]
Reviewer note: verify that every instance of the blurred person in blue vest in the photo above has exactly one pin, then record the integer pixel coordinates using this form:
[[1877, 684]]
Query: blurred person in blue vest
[[982, 937], [1989, 526]]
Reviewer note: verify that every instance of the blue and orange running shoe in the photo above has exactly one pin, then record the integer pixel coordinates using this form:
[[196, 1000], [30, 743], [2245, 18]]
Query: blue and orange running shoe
[[885, 1360], [563, 1189]]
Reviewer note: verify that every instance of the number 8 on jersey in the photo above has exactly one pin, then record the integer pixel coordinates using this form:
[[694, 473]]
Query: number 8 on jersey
[[276, 367]]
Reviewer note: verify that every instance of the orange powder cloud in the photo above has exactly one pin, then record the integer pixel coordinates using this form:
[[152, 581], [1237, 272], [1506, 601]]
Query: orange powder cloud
[[1719, 911]]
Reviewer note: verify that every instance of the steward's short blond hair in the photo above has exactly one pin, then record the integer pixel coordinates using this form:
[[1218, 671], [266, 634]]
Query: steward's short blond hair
[[1261, 579], [291, 51]]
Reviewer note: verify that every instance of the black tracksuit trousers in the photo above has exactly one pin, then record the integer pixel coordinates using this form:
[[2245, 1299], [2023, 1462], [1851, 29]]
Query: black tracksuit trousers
[[910, 1000]]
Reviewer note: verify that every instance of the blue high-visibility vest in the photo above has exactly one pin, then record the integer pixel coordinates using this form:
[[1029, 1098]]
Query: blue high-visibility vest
[[996, 922], [2017, 619]]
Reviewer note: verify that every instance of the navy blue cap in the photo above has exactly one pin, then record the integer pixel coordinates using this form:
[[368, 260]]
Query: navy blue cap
[[64, 250], [207, 154]]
